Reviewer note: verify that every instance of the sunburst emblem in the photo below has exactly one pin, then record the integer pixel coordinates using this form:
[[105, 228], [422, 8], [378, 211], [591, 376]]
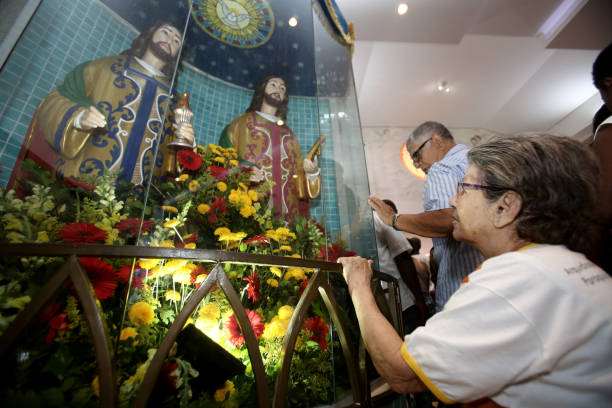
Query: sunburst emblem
[[241, 23]]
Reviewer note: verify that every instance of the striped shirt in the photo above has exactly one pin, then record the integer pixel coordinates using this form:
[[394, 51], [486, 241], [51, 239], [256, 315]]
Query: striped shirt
[[455, 259]]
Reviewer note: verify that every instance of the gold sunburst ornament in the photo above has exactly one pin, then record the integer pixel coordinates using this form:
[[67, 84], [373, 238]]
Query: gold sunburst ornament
[[240, 23]]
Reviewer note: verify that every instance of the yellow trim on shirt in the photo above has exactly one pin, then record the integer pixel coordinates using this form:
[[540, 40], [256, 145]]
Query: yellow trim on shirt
[[419, 372], [527, 247]]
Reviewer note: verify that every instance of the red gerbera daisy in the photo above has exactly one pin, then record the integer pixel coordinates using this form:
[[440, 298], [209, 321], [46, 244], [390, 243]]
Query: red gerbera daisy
[[131, 225], [168, 371], [57, 323], [253, 288], [236, 337], [82, 232], [218, 172], [303, 287], [123, 275], [218, 207], [102, 276], [189, 160], [319, 330]]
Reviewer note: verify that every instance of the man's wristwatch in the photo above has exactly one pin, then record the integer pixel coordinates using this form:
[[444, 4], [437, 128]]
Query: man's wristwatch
[[394, 221]]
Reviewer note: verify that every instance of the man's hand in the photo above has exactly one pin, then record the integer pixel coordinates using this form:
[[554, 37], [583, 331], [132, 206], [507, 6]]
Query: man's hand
[[92, 118], [357, 272], [384, 211], [311, 166]]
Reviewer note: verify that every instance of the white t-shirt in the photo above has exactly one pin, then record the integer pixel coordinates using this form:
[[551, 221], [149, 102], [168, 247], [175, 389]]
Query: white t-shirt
[[390, 244], [529, 329]]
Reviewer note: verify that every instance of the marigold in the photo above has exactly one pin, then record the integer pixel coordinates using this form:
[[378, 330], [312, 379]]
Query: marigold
[[172, 296], [170, 208], [209, 313], [253, 195], [182, 177], [272, 282], [194, 185], [42, 236], [219, 159], [128, 333], [247, 211], [203, 208], [276, 271], [233, 163], [222, 186], [285, 248], [141, 314], [191, 245], [222, 393], [285, 312]]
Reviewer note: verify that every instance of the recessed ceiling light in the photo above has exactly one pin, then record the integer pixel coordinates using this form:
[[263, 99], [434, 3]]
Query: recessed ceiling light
[[293, 21], [402, 9], [443, 87]]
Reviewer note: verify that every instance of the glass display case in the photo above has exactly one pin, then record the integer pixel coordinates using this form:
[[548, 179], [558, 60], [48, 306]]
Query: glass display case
[[200, 166]]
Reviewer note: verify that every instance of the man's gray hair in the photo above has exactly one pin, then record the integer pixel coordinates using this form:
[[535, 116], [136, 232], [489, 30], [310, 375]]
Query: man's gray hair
[[428, 128], [557, 179]]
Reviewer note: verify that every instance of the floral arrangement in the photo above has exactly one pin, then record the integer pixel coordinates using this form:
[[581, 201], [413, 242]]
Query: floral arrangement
[[211, 203]]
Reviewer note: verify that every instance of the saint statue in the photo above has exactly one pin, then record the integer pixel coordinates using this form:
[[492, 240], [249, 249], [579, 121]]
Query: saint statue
[[108, 114], [264, 141]]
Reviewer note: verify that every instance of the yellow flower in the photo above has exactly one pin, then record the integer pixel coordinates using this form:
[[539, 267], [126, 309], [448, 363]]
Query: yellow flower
[[95, 386], [242, 186], [200, 147], [285, 312], [295, 255], [253, 195], [172, 296], [172, 223], [233, 162], [167, 244], [182, 275], [174, 264], [276, 271], [182, 177], [170, 208], [141, 314], [272, 282], [15, 237], [190, 245], [295, 273], [209, 313], [275, 328], [148, 263], [219, 159], [42, 236], [247, 211], [222, 186], [128, 333], [221, 393], [194, 185], [203, 208], [222, 231], [285, 248]]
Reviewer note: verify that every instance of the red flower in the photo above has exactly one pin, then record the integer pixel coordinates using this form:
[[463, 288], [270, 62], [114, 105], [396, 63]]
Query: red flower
[[253, 288], [82, 232], [303, 287], [257, 239], [78, 183], [200, 270], [319, 330], [123, 275], [189, 160], [236, 337], [167, 370], [57, 323], [102, 276], [334, 251], [218, 172], [132, 224], [218, 207]]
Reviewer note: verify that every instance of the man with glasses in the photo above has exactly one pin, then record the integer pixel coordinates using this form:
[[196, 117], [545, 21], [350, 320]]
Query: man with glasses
[[434, 150], [532, 326]]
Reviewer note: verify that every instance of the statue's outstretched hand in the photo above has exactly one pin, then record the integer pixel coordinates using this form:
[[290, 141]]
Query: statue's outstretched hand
[[91, 118], [185, 130], [257, 175], [311, 166]]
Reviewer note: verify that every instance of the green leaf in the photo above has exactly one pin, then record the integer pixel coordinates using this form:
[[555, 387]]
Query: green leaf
[[53, 397]]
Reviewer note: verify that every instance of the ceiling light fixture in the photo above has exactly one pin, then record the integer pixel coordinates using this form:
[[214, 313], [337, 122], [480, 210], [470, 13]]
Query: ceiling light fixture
[[444, 87], [402, 9], [293, 21]]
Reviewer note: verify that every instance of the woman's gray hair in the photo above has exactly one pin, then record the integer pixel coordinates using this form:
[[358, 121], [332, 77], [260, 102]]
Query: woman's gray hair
[[557, 178]]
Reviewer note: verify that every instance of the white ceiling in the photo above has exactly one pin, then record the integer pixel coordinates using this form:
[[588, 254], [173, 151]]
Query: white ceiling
[[504, 75]]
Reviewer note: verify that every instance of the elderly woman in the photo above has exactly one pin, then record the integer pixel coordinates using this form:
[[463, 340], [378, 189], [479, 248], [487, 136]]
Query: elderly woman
[[532, 326]]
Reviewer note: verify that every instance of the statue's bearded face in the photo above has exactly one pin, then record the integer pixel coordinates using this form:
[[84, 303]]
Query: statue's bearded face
[[275, 92], [165, 43]]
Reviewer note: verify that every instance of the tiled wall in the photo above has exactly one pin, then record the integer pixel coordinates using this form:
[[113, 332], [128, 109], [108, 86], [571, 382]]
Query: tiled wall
[[62, 34]]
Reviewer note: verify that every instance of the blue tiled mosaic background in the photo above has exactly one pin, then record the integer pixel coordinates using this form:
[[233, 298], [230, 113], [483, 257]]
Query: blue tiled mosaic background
[[63, 34]]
